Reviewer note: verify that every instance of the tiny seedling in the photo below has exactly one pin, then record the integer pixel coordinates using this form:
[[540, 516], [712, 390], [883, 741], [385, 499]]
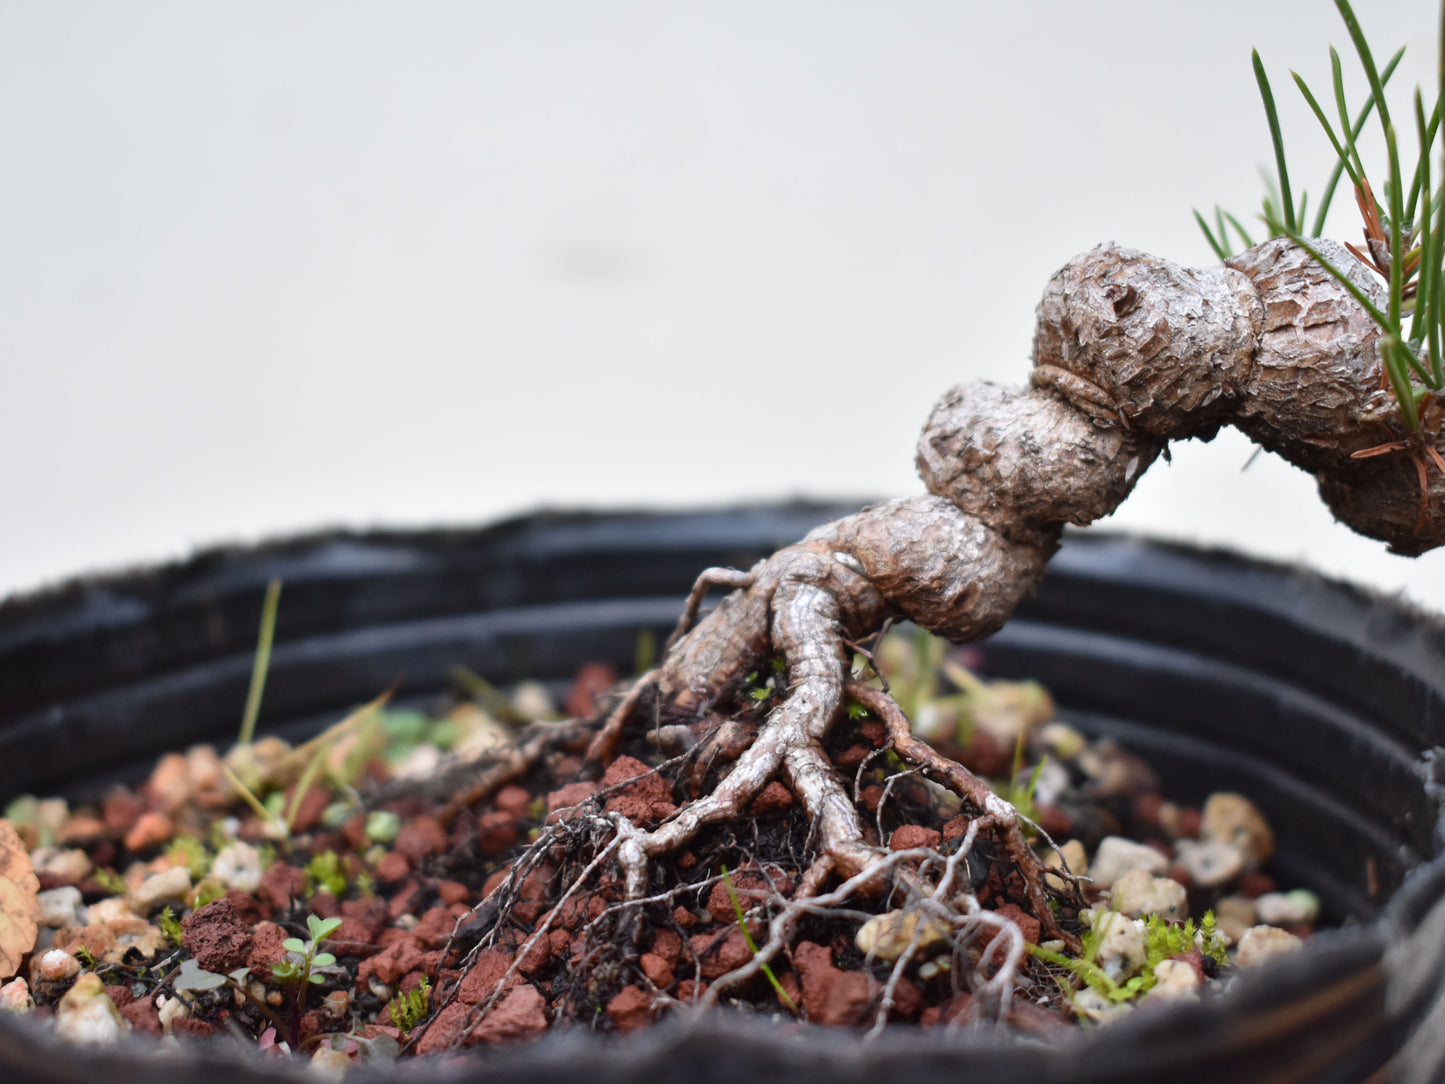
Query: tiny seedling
[[302, 956], [324, 871]]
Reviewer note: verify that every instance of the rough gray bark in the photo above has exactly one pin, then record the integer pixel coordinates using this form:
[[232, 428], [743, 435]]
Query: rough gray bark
[[1130, 352]]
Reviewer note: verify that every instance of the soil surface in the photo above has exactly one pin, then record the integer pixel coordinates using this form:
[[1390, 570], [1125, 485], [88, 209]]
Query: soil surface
[[347, 907]]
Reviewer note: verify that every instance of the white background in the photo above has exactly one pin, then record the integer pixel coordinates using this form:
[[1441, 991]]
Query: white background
[[267, 267]]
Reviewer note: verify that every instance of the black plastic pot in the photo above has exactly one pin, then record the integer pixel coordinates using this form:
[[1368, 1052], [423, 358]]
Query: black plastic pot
[[1324, 703]]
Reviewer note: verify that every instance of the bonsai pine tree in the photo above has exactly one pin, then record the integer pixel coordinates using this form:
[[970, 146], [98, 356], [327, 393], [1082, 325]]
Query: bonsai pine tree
[[1329, 355]]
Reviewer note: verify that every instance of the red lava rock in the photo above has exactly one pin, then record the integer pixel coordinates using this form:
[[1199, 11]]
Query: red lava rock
[[1055, 821], [281, 885], [986, 755], [565, 797], [907, 836], [873, 732], [1027, 924], [450, 892], [534, 894], [308, 813], [143, 1016], [536, 958], [151, 830], [646, 801], [435, 927], [689, 990], [593, 679], [245, 905], [514, 800], [684, 918], [354, 832], [561, 942], [668, 945], [871, 797], [657, 970], [266, 948], [217, 936], [121, 995], [390, 964], [391, 867], [958, 1007], [719, 955], [405, 899], [324, 904], [120, 810], [495, 832], [907, 1000], [1255, 884], [630, 1009], [520, 1015], [191, 1028], [1147, 807], [482, 979], [421, 837], [955, 828], [1195, 960], [363, 919], [849, 759], [774, 798], [750, 888], [830, 996]]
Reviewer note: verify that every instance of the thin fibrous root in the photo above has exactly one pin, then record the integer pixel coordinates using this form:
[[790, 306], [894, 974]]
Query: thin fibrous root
[[970, 787]]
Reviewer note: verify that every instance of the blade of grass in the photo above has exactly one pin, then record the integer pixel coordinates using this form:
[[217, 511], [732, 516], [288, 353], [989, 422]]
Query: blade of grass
[[1219, 249], [1382, 109], [1353, 134], [262, 662], [752, 946], [1243, 233], [1286, 201], [1425, 284]]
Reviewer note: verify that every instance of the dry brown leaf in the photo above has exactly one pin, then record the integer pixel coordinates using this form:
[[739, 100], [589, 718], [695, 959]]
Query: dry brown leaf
[[19, 902]]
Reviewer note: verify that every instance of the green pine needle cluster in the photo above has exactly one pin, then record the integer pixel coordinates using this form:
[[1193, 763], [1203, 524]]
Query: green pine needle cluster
[[1405, 236]]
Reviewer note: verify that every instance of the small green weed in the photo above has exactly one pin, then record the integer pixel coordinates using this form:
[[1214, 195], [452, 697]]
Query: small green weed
[[410, 1009]]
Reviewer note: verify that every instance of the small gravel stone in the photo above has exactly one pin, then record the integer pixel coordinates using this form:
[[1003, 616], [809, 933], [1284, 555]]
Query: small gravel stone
[[15, 996], [1173, 979], [1062, 741], [1122, 942], [1233, 915], [151, 830], [238, 866], [86, 1014], [1210, 863], [62, 864], [1261, 943], [55, 966], [168, 886], [1071, 854], [1116, 856], [1233, 819], [1298, 908], [1138, 893], [1097, 1007], [888, 935], [60, 907]]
